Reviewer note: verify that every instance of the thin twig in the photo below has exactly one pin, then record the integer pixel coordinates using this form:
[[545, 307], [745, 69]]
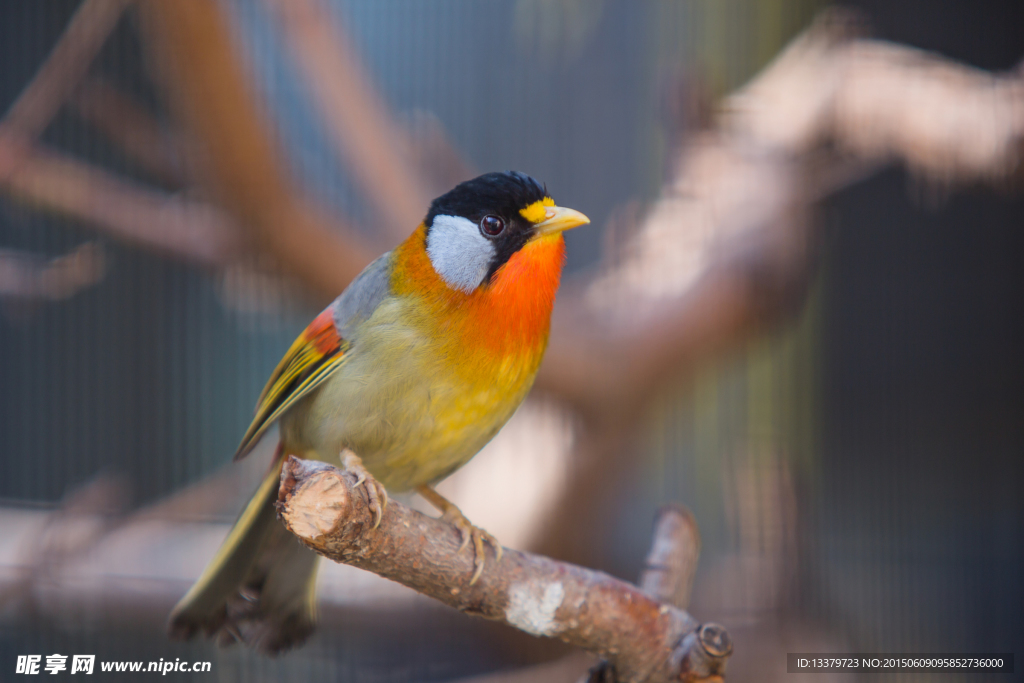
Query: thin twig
[[125, 210], [31, 277], [53, 83], [644, 639]]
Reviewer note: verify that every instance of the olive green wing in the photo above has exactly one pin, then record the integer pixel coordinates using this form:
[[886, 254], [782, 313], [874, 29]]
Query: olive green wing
[[317, 354], [320, 350]]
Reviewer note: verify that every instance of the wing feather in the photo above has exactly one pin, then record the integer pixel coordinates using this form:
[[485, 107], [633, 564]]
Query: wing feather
[[320, 350], [317, 353]]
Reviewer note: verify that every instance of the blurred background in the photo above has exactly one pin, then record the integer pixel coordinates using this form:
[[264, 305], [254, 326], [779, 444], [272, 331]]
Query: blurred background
[[799, 310]]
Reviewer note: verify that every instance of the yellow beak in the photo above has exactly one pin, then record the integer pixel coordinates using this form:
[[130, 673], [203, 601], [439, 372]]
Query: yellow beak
[[558, 219]]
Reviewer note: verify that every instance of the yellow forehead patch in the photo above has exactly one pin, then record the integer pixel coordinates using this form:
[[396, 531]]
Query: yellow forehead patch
[[537, 212]]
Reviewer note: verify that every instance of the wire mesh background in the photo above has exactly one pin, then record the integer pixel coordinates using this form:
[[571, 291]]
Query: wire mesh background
[[860, 473]]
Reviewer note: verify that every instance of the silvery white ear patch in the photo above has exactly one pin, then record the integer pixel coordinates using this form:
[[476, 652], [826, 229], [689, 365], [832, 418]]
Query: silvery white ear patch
[[458, 252]]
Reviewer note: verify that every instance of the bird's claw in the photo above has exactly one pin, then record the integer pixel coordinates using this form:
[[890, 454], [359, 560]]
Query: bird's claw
[[376, 494], [469, 532], [453, 515]]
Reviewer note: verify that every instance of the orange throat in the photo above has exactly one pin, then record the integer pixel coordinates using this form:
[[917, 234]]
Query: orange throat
[[507, 320]]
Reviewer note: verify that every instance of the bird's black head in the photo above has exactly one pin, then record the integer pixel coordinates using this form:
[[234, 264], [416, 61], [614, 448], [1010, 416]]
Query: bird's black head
[[502, 194], [475, 229], [477, 226]]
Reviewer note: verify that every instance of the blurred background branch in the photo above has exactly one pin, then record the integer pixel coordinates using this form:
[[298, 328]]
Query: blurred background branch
[[723, 250], [726, 251], [209, 89], [358, 121], [27, 277], [125, 210], [63, 69], [123, 121]]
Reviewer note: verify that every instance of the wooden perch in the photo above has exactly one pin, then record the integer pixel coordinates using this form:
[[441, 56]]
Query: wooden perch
[[644, 639], [668, 577]]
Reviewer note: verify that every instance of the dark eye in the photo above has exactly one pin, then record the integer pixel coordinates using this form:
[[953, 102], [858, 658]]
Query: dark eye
[[492, 226]]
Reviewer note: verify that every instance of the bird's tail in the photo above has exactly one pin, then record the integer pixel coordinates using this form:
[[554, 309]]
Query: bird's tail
[[260, 588]]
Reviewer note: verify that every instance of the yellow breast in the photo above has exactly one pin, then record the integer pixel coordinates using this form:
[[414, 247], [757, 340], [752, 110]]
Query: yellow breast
[[434, 373]]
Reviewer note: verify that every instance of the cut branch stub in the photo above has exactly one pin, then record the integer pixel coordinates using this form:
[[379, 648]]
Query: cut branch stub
[[644, 639], [672, 560], [668, 576]]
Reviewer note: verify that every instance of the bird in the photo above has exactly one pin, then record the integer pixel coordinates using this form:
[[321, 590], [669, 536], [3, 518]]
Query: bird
[[408, 373]]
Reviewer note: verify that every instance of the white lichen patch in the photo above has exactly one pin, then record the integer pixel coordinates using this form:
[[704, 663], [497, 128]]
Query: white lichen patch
[[532, 606]]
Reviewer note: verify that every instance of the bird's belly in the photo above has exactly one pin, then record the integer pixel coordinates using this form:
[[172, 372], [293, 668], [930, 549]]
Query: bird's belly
[[413, 416]]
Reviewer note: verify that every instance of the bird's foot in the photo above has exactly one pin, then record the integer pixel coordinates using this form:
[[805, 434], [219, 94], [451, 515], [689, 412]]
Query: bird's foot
[[376, 494], [467, 530], [471, 532]]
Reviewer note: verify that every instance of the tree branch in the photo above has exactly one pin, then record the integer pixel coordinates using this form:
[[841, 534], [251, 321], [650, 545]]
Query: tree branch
[[672, 561], [31, 277], [726, 251], [128, 211], [135, 131], [357, 120], [210, 89], [55, 80], [644, 639], [735, 216]]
